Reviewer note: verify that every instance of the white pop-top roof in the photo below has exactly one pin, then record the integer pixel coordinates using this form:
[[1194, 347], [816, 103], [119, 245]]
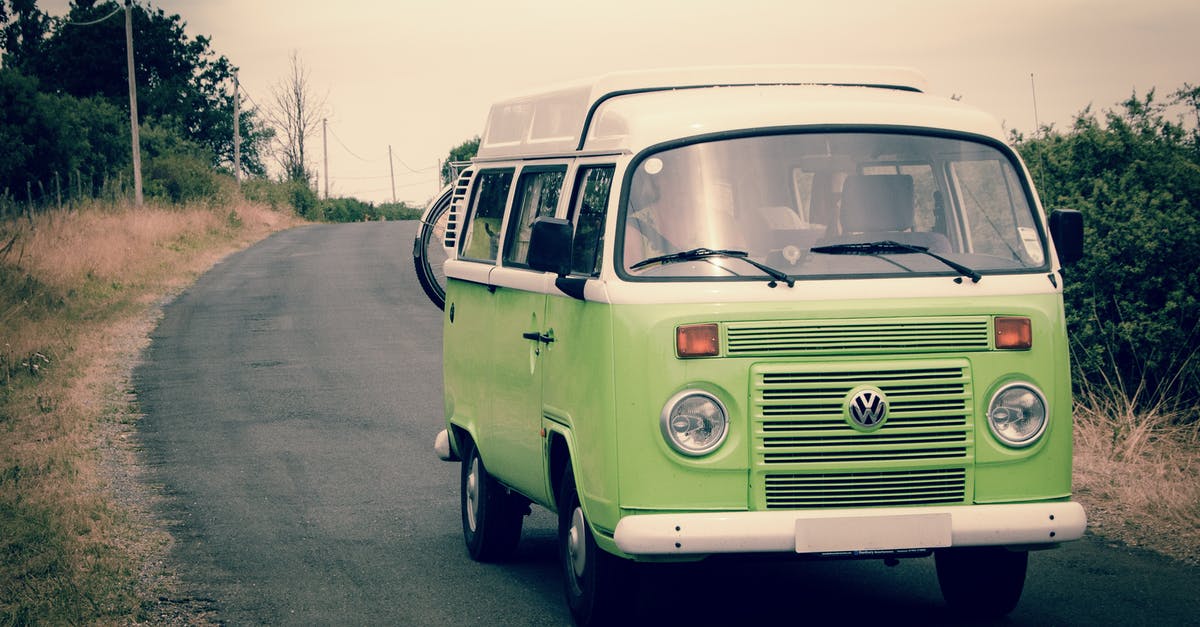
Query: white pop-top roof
[[624, 111]]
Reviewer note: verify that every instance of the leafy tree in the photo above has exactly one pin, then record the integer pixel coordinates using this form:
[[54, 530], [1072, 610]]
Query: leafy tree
[[462, 152], [1132, 302], [22, 38], [179, 79], [53, 136]]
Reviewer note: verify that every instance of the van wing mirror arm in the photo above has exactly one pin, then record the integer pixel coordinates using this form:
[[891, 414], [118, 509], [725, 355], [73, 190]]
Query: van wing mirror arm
[[572, 286]]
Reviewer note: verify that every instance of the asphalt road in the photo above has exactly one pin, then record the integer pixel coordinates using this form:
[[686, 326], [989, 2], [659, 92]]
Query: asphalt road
[[291, 398]]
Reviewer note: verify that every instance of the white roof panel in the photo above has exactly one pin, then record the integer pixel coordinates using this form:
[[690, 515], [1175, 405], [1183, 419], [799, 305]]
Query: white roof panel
[[634, 122], [619, 111]]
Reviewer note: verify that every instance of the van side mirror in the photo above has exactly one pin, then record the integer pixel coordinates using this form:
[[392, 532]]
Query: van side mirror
[[1066, 227], [550, 246]]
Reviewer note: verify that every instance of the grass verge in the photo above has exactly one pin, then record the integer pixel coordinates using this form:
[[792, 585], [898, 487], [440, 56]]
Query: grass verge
[[1137, 473], [77, 294]]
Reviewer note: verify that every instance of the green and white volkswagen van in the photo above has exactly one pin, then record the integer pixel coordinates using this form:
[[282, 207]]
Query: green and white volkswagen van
[[788, 309]]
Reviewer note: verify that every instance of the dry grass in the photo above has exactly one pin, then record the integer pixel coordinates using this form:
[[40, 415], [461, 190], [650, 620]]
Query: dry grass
[[76, 289], [1138, 474]]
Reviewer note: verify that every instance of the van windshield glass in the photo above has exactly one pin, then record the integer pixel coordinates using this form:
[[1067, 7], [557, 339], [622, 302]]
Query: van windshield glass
[[777, 197]]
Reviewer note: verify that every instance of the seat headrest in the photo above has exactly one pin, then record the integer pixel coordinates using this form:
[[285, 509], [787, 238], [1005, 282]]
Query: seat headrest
[[877, 202]]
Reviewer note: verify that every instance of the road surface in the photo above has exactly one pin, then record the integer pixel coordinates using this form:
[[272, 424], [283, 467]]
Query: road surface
[[291, 398]]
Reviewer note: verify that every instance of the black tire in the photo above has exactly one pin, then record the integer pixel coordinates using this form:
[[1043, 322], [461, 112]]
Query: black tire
[[597, 583], [491, 516], [981, 582], [429, 253]]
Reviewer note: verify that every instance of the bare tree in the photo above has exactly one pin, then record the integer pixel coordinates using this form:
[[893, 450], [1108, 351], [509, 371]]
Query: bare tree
[[296, 115]]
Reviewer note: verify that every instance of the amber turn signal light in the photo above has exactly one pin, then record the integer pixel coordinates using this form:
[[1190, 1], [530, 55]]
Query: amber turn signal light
[[698, 340], [1014, 333]]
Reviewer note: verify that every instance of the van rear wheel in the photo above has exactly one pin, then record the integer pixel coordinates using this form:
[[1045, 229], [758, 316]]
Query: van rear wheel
[[981, 582], [597, 583], [491, 516]]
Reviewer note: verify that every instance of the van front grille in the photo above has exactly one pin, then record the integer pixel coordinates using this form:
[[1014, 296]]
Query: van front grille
[[798, 413], [866, 489], [821, 337]]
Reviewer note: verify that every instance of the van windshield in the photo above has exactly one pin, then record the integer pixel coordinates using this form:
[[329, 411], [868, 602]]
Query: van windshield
[[829, 205]]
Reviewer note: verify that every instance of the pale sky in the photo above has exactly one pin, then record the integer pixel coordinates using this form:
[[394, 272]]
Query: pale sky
[[419, 75]]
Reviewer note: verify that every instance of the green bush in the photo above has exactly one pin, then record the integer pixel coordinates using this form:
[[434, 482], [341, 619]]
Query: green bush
[[280, 194], [175, 169], [398, 211], [346, 210], [304, 200], [1132, 305], [266, 191]]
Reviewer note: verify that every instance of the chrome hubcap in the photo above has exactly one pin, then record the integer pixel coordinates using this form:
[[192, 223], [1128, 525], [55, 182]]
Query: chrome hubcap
[[473, 493], [577, 542]]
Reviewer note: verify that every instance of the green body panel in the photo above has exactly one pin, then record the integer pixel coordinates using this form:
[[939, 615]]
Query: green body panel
[[579, 400], [655, 478], [605, 379], [467, 323], [515, 378]]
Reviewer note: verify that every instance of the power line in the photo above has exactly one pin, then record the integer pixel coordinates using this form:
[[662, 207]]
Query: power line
[[352, 153], [410, 169], [115, 11], [246, 94]]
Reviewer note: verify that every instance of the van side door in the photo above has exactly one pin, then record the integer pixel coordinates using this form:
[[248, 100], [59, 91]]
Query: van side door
[[578, 367], [521, 338]]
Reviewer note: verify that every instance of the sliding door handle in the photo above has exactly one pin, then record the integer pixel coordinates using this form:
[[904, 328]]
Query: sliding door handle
[[534, 335]]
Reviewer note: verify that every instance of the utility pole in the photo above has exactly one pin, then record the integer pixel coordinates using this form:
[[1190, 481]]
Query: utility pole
[[237, 135], [133, 111], [392, 170], [1033, 88], [325, 148]]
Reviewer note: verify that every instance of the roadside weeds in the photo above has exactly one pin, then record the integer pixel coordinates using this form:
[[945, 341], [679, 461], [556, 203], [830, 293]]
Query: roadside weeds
[[1137, 475]]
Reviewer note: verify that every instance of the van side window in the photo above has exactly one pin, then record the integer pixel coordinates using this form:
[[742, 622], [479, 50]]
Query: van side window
[[537, 196], [587, 212], [481, 237]]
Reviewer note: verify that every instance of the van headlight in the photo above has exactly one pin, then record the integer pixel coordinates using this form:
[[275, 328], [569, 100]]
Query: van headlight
[[694, 422], [1017, 414]]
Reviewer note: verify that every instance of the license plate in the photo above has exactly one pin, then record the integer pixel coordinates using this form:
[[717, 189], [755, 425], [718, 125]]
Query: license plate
[[873, 533]]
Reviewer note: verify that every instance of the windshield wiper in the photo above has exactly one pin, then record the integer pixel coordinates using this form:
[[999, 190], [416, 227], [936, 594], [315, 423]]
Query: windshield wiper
[[703, 253], [889, 247]]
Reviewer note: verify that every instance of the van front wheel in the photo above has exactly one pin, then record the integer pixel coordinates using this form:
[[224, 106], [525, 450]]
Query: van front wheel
[[596, 582], [981, 582], [491, 517]]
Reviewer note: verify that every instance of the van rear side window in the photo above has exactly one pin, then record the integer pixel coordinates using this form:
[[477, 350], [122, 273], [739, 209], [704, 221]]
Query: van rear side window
[[481, 238]]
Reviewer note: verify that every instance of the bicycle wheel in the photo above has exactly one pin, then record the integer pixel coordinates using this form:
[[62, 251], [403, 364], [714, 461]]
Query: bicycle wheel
[[429, 249]]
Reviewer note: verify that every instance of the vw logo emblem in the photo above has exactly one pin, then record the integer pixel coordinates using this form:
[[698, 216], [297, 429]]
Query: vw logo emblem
[[867, 408]]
